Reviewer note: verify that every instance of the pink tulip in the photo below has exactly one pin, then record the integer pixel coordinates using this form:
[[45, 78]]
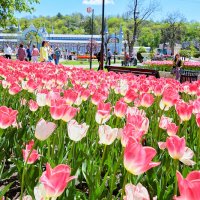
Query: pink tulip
[[55, 180], [14, 89], [140, 123], [77, 131], [33, 106], [120, 109], [44, 129], [172, 129], [170, 97], [196, 106], [70, 96], [164, 121], [103, 113], [130, 131], [135, 111], [198, 119], [146, 100], [57, 108], [7, 117], [184, 110], [138, 192], [69, 113], [130, 96], [189, 187], [34, 154], [137, 159], [177, 150], [85, 94], [107, 134]]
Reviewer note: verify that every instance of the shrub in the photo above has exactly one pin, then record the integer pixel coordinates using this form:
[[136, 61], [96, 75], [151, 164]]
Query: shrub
[[142, 50], [185, 53]]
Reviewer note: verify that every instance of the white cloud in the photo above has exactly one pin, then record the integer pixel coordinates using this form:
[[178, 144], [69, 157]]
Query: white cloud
[[97, 2]]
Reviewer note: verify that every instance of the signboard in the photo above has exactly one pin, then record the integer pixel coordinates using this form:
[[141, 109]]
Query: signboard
[[113, 40]]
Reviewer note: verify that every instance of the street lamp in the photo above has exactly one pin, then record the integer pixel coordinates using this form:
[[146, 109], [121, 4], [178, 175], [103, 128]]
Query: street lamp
[[106, 38], [115, 47], [102, 38], [89, 10], [125, 45]]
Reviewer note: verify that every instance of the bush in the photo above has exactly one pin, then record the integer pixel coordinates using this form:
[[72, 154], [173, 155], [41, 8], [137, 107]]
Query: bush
[[196, 54], [185, 53], [142, 50]]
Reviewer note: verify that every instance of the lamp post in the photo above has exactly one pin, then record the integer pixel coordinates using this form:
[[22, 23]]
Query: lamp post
[[115, 47], [102, 37], [89, 10], [106, 38], [125, 45]]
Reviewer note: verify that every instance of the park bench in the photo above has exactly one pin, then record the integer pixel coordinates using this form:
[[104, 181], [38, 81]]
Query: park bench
[[136, 71], [189, 75]]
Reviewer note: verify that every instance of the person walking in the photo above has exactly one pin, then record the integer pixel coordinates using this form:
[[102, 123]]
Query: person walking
[[177, 65], [8, 51], [21, 52], [28, 53], [109, 56], [57, 54], [44, 52], [35, 53]]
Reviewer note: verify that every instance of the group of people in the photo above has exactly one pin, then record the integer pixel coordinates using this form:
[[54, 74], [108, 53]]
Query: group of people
[[45, 54]]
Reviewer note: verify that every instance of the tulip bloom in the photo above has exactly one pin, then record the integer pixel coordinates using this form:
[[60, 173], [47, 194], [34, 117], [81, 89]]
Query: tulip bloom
[[107, 134], [172, 129], [198, 119], [164, 121], [130, 96], [184, 110], [41, 99], [138, 192], [44, 129], [57, 108], [139, 122], [146, 100], [177, 149], [130, 131], [69, 113], [120, 109], [137, 159], [70, 96], [196, 106], [77, 131], [189, 187], [14, 89], [103, 113], [55, 180], [7, 116], [34, 154], [33, 106]]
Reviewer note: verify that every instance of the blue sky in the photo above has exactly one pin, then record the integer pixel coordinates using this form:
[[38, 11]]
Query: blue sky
[[189, 8]]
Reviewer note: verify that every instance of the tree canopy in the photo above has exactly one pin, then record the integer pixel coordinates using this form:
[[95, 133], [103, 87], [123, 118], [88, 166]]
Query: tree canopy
[[8, 8]]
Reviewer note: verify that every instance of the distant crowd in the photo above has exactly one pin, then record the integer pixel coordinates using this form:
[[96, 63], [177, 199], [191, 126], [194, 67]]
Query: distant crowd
[[32, 53]]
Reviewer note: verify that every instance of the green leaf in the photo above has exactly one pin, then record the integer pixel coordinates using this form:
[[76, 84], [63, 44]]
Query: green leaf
[[5, 189]]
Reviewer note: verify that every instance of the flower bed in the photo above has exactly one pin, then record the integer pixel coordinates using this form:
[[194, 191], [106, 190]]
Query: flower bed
[[167, 65], [86, 57], [69, 133]]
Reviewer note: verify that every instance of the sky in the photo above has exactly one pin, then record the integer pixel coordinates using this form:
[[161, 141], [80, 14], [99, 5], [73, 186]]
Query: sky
[[188, 8]]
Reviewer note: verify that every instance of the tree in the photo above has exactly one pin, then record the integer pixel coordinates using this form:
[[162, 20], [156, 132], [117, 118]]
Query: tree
[[138, 13], [9, 7], [173, 29]]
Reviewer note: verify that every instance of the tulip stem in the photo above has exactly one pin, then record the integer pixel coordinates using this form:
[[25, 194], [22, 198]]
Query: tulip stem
[[114, 174], [102, 161], [176, 163], [49, 150], [124, 183]]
